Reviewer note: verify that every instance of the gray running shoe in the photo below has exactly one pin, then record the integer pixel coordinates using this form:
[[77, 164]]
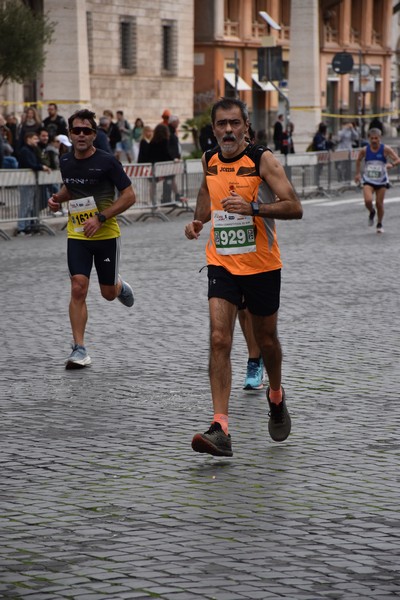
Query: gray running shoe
[[126, 294], [78, 359], [279, 424], [214, 441]]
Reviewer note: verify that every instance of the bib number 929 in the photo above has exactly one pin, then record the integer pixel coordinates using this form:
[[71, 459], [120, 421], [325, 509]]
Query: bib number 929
[[231, 237], [233, 233]]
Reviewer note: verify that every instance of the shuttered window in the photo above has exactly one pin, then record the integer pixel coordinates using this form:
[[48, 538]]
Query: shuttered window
[[127, 30], [169, 47]]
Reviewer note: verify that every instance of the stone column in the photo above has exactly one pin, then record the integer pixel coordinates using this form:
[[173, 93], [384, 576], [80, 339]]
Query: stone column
[[366, 22], [344, 22], [66, 74], [246, 21], [218, 19], [344, 40], [304, 72], [11, 98]]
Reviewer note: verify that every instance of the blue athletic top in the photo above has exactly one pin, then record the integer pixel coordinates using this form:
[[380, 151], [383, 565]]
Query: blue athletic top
[[375, 171]]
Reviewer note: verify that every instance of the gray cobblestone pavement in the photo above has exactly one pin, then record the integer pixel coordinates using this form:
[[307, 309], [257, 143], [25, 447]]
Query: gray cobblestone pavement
[[102, 497]]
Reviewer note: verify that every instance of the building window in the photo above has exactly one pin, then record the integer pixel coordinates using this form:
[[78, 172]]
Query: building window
[[127, 33], [169, 47], [256, 6], [89, 30], [377, 24], [231, 18], [232, 10], [356, 20]]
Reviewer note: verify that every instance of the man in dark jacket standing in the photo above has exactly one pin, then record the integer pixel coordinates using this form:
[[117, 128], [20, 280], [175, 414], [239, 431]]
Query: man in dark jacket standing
[[101, 141], [173, 143], [55, 123], [278, 133], [29, 158], [175, 152], [1, 152]]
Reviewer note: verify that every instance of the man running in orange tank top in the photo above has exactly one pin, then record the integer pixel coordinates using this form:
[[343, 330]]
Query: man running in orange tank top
[[244, 189]]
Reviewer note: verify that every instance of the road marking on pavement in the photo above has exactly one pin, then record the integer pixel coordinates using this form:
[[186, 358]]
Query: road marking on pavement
[[358, 200]]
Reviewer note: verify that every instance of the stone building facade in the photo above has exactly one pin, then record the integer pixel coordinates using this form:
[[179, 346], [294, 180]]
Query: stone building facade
[[142, 56], [310, 33], [130, 55]]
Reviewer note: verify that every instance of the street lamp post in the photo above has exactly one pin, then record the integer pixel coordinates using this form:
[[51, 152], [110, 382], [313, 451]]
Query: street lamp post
[[361, 96], [236, 74]]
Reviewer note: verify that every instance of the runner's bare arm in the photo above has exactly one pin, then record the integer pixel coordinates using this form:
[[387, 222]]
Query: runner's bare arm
[[202, 212], [394, 157], [287, 205], [54, 202], [360, 157], [125, 199], [203, 203]]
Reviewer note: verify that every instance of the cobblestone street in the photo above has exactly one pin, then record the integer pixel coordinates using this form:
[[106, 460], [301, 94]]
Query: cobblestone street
[[102, 497]]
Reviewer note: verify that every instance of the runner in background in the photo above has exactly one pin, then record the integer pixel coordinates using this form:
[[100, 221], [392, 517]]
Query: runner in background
[[375, 178]]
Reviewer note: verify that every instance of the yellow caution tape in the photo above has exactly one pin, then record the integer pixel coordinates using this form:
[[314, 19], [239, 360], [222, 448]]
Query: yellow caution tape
[[42, 103], [345, 116], [369, 116]]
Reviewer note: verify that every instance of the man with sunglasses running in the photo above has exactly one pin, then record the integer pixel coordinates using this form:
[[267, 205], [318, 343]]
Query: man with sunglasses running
[[244, 189], [90, 177]]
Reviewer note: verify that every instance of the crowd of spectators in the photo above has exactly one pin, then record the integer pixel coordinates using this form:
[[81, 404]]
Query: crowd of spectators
[[128, 142], [131, 142], [14, 136], [44, 141]]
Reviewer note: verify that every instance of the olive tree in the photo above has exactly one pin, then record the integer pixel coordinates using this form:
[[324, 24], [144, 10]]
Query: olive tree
[[23, 37]]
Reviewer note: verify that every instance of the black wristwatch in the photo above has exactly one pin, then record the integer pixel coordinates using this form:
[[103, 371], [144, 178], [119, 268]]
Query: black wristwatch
[[255, 207], [102, 218]]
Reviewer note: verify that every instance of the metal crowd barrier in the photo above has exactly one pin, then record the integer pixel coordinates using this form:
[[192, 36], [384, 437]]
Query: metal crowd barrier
[[23, 198], [166, 187], [159, 186], [312, 173], [324, 173], [193, 177]]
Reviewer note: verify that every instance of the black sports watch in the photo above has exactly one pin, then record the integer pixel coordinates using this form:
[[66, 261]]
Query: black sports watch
[[102, 218], [255, 207]]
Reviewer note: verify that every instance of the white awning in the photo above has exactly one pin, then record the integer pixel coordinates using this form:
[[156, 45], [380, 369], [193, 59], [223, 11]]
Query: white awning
[[266, 86], [241, 84]]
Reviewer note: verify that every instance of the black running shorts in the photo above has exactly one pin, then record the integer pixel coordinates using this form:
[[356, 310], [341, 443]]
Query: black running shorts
[[104, 253], [260, 293], [377, 187]]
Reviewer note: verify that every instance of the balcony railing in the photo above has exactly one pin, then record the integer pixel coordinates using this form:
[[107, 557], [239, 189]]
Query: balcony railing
[[258, 30], [354, 36], [331, 35], [284, 33], [231, 28], [376, 38]]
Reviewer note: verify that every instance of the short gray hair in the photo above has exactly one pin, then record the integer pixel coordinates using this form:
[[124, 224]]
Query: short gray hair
[[375, 131], [173, 119]]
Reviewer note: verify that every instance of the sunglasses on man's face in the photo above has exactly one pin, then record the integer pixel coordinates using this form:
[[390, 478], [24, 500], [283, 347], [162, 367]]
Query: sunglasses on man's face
[[84, 130]]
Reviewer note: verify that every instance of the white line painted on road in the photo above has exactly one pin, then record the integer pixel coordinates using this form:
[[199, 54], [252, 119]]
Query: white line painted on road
[[359, 200]]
